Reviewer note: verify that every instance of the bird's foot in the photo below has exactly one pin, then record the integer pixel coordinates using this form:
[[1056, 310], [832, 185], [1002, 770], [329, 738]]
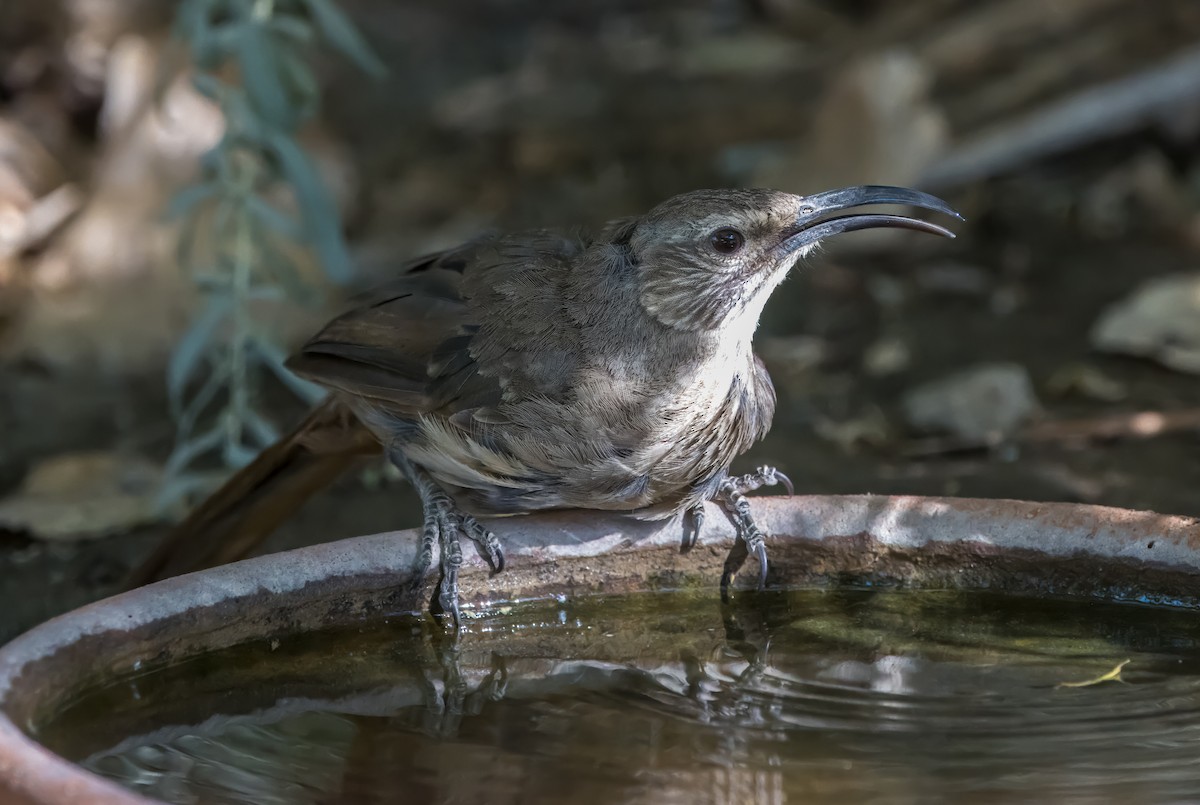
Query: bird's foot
[[750, 539], [751, 481], [444, 524], [740, 484]]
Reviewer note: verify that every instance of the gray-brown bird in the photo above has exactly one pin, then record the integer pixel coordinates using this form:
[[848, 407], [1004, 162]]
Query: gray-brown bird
[[537, 371]]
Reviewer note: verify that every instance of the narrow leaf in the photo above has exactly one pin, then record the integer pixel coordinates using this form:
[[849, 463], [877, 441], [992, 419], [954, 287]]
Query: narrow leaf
[[211, 280], [192, 347], [202, 398], [187, 199], [340, 32], [237, 455], [191, 19], [302, 84], [209, 86], [266, 293], [184, 454], [193, 24], [279, 269], [292, 27], [258, 59], [1111, 676], [272, 218], [260, 429], [321, 221], [185, 246]]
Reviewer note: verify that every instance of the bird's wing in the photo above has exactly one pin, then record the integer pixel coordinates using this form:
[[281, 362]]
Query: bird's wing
[[451, 333]]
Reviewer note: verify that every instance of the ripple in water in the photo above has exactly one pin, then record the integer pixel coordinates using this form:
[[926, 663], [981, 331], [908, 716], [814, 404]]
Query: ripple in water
[[800, 696]]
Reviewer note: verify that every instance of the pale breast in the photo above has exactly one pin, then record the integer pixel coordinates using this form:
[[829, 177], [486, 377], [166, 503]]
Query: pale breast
[[650, 454]]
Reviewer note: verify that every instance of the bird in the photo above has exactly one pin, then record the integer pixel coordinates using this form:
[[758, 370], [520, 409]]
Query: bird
[[537, 370]]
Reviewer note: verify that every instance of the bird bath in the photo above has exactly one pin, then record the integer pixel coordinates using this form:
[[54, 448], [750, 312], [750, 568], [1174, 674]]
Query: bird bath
[[908, 649]]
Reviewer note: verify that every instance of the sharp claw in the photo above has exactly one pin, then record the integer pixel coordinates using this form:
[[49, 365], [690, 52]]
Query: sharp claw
[[448, 600], [787, 483], [761, 552], [492, 552], [485, 541]]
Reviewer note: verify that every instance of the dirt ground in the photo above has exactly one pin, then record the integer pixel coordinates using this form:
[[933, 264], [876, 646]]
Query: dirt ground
[[436, 152]]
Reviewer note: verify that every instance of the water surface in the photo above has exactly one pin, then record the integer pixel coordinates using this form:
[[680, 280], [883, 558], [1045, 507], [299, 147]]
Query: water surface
[[813, 696]]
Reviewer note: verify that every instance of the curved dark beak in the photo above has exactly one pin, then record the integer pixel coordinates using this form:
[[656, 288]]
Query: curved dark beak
[[814, 223]]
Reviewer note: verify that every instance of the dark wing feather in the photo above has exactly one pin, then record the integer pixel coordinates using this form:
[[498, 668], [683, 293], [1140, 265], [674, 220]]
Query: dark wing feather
[[455, 331], [405, 346]]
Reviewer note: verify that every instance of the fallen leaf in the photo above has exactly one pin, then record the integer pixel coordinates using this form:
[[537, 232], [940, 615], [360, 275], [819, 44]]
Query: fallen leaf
[[77, 496], [1112, 676]]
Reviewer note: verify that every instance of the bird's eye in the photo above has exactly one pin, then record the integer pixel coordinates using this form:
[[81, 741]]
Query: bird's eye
[[726, 241]]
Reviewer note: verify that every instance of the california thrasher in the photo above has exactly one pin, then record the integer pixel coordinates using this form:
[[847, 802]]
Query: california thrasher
[[538, 371]]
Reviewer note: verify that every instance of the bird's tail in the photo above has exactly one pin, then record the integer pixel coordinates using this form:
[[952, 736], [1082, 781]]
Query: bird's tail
[[250, 505]]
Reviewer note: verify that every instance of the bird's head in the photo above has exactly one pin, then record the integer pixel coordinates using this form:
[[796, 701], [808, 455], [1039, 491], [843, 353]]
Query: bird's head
[[710, 258]]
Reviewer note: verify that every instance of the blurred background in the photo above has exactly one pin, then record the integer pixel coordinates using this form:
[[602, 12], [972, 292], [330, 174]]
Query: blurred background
[[150, 151]]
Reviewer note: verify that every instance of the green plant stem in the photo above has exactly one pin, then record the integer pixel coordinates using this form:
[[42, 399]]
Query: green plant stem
[[239, 391], [275, 92]]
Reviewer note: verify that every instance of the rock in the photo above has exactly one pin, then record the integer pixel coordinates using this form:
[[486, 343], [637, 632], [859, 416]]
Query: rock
[[1160, 320], [888, 356], [1085, 380], [983, 403], [78, 496], [871, 429], [1146, 187]]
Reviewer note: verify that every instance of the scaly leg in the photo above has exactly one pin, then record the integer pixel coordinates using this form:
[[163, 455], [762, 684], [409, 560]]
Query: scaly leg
[[691, 530], [444, 522], [731, 494]]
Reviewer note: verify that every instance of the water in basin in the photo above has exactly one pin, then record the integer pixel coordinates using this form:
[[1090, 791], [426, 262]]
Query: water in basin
[[814, 696]]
